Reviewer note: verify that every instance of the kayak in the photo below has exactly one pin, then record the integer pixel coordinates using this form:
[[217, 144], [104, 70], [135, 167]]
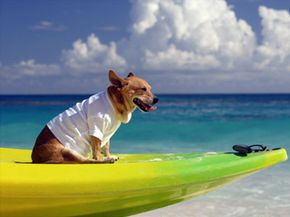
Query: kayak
[[135, 183]]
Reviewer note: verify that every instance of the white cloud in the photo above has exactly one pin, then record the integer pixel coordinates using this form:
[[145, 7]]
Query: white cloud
[[189, 35], [170, 35], [144, 15], [175, 59], [29, 68], [274, 52], [186, 35], [92, 56], [47, 26]]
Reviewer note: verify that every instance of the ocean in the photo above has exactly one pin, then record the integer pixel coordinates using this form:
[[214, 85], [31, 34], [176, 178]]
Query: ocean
[[183, 123]]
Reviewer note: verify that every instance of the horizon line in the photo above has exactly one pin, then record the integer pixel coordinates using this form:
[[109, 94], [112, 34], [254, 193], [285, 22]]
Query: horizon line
[[164, 94]]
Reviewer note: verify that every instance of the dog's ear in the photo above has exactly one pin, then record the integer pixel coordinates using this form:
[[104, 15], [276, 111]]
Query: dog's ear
[[116, 80], [130, 74]]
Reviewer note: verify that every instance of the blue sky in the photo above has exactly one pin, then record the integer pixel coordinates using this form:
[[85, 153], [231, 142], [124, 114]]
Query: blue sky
[[192, 46], [79, 19]]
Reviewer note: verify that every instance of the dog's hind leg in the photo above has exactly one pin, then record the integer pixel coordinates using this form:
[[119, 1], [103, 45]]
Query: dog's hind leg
[[58, 154], [71, 156]]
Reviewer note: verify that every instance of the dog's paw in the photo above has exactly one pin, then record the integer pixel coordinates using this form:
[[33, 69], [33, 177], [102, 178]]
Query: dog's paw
[[114, 157], [109, 160]]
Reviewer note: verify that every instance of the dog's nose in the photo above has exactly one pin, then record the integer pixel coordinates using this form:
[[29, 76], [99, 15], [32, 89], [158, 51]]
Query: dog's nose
[[155, 100]]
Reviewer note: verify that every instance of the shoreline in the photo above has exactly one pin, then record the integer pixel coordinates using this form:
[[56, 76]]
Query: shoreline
[[264, 194]]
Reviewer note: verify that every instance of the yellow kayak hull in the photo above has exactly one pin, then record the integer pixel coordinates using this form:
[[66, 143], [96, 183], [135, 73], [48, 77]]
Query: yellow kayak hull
[[136, 183]]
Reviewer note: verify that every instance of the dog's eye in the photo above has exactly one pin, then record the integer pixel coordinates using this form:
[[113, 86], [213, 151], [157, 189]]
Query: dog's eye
[[144, 89]]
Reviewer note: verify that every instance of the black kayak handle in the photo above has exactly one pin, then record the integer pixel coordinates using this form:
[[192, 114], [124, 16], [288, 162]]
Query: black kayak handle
[[245, 149]]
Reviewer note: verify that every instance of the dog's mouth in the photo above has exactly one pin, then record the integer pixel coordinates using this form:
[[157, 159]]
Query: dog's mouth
[[143, 106]]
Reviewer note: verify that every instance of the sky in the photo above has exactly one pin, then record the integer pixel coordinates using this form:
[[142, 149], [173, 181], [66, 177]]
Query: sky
[[179, 46]]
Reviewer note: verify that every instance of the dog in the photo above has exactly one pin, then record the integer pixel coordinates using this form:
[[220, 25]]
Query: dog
[[87, 127]]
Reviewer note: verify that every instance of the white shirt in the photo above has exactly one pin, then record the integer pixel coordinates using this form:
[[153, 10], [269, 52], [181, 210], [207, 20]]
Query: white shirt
[[94, 116]]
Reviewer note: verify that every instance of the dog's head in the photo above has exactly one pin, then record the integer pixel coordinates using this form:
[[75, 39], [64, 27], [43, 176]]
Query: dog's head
[[135, 90]]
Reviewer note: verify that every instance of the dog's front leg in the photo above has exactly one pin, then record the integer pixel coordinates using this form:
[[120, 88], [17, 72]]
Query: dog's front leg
[[96, 149], [107, 152]]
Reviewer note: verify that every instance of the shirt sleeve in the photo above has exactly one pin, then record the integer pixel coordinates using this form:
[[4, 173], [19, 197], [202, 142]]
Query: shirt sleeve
[[96, 126]]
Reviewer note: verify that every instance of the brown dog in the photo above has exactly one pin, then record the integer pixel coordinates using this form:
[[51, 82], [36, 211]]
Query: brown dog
[[87, 127]]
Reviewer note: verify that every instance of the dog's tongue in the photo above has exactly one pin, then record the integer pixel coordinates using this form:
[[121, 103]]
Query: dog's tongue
[[152, 108]]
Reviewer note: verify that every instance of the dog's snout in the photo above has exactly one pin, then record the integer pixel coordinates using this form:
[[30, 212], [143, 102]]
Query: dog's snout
[[155, 100]]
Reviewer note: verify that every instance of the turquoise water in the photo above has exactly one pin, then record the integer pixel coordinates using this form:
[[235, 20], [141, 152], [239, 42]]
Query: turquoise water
[[181, 123], [184, 123]]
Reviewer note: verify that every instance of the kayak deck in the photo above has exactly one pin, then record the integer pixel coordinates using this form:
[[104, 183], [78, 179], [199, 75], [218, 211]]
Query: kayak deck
[[136, 183]]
